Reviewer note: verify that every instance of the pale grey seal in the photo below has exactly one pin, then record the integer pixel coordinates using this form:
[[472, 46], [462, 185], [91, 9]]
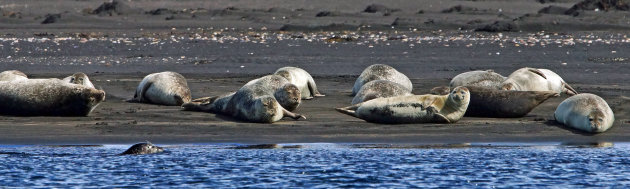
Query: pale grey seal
[[11, 75], [302, 79], [79, 78], [165, 88], [413, 109], [380, 89], [381, 72], [532, 79], [481, 78], [586, 112]]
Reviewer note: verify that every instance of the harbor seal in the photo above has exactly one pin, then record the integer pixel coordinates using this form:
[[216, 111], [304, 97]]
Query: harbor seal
[[47, 97], [165, 88], [586, 112], [11, 75], [381, 72], [491, 102], [302, 79], [264, 100], [214, 104], [380, 89], [532, 79], [413, 109], [481, 78], [143, 148], [79, 78]]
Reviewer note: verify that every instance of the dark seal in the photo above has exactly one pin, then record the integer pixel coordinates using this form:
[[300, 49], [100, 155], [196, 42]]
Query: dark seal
[[143, 148]]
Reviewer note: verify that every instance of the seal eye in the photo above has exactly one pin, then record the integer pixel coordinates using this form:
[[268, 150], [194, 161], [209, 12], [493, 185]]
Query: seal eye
[[590, 119]]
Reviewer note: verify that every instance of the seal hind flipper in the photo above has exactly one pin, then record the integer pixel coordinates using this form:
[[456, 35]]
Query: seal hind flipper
[[141, 96], [350, 110], [200, 104], [536, 71], [313, 88], [570, 89]]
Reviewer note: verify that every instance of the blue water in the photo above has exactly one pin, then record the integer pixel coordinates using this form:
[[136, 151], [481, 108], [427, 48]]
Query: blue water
[[317, 166]]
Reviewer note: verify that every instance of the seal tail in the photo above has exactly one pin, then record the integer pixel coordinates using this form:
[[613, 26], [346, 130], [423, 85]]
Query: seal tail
[[570, 91], [350, 110]]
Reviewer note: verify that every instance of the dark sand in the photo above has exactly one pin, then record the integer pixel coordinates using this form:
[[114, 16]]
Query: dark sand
[[117, 51]]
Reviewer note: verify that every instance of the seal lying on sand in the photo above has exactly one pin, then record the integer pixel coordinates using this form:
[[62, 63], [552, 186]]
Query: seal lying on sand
[[47, 97], [11, 75], [381, 72], [380, 89], [532, 79], [586, 112], [165, 88], [413, 109], [79, 78], [263, 100], [490, 102], [481, 78], [143, 148], [302, 79]]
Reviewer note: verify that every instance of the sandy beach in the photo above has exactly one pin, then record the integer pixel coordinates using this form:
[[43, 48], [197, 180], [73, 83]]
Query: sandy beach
[[220, 45]]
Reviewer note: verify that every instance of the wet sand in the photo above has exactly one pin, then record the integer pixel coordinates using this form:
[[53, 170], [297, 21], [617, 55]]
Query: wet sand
[[217, 61]]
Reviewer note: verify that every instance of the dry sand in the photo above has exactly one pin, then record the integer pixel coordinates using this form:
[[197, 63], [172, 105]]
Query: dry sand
[[588, 50]]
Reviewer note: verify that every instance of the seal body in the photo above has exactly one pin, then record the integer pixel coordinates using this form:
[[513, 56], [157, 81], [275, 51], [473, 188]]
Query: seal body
[[380, 89], [532, 79], [586, 112], [143, 148], [47, 97], [165, 88], [11, 75], [491, 102], [480, 78], [413, 109], [264, 100], [381, 72], [301, 79], [79, 78]]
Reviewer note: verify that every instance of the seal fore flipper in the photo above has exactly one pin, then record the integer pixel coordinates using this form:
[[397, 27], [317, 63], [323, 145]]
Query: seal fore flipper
[[292, 115], [538, 72]]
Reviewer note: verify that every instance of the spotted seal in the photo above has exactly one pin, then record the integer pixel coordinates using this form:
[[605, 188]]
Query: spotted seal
[[265, 100], [380, 89], [381, 72], [491, 102], [79, 78], [532, 79], [302, 79], [143, 148], [586, 112], [413, 109], [165, 88], [47, 97], [11, 75], [481, 78]]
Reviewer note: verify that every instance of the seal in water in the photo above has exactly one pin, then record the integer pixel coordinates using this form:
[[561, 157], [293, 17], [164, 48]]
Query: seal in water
[[381, 72], [143, 148], [79, 78], [302, 79], [263, 100], [47, 97], [165, 88], [481, 78], [380, 89], [586, 112], [532, 79], [490, 102], [11, 75], [413, 109]]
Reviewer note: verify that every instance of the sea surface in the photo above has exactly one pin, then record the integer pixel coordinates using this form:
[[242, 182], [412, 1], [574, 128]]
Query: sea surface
[[319, 166]]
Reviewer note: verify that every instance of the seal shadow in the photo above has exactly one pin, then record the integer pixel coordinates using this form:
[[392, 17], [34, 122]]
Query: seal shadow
[[554, 123]]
